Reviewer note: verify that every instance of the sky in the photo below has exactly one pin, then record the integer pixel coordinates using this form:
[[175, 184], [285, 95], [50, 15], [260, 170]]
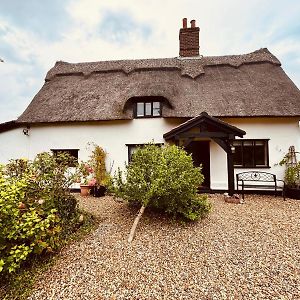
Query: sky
[[34, 34]]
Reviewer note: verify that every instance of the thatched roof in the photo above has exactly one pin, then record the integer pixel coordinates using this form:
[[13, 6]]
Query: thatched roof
[[252, 84], [8, 125]]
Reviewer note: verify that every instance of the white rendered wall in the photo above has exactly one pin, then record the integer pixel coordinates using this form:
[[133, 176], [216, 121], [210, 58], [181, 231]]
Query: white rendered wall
[[13, 145], [114, 135], [281, 132]]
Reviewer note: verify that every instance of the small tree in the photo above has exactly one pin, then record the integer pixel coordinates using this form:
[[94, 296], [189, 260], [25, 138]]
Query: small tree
[[164, 178], [97, 161]]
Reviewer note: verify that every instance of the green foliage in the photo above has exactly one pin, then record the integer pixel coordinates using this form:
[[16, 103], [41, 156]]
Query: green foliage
[[164, 178], [93, 172], [36, 208], [19, 284], [292, 172], [97, 161], [24, 226]]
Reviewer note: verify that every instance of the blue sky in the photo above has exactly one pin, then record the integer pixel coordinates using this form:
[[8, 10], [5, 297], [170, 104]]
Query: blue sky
[[35, 34]]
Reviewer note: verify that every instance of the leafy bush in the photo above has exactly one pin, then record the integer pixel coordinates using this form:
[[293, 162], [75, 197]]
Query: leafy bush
[[164, 178], [36, 208], [292, 170], [52, 178], [97, 160], [25, 227], [48, 181], [93, 172]]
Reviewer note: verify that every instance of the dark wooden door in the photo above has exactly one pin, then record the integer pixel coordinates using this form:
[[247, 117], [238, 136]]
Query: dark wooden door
[[201, 156]]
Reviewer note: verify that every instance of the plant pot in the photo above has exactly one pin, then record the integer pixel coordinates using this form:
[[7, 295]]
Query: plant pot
[[99, 191], [85, 190], [293, 193]]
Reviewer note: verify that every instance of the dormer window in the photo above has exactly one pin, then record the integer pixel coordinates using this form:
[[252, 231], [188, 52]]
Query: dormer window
[[148, 109]]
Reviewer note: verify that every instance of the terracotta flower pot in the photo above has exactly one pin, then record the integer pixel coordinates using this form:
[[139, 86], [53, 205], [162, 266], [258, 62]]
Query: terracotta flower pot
[[84, 190]]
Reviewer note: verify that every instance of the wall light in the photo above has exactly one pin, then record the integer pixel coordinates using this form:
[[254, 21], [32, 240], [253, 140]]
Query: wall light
[[26, 131]]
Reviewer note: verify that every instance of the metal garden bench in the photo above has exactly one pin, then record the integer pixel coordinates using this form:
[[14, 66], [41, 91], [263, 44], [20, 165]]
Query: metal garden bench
[[259, 180]]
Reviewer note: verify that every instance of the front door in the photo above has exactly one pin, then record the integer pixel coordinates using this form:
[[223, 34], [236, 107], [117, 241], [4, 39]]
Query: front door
[[201, 156]]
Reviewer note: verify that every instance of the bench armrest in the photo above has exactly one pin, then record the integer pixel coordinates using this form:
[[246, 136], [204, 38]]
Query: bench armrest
[[281, 181]]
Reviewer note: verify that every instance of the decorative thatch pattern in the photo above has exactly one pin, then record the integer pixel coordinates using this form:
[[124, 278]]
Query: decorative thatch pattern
[[239, 85]]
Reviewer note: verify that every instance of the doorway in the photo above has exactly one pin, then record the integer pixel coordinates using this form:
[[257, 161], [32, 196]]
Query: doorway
[[200, 152]]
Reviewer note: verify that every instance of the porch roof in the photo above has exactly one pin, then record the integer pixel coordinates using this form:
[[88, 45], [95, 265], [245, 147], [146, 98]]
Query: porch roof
[[222, 128]]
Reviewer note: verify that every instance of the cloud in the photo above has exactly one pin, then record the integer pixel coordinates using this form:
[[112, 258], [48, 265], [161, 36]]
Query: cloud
[[47, 19], [119, 26], [16, 89]]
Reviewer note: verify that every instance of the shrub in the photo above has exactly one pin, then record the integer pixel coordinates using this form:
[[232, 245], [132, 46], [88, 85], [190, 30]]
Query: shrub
[[36, 207], [97, 161], [25, 226], [164, 178], [292, 168], [51, 180]]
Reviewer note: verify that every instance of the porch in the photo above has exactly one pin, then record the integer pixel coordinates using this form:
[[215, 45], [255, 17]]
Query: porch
[[195, 136]]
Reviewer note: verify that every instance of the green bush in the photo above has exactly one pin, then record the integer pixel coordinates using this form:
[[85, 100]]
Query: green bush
[[292, 171], [49, 178], [51, 181], [164, 178], [25, 227], [36, 208]]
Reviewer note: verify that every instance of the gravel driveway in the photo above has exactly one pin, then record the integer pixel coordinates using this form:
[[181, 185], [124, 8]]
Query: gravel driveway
[[245, 251]]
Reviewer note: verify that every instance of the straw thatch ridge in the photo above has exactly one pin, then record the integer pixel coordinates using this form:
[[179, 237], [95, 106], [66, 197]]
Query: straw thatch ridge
[[246, 85], [191, 67]]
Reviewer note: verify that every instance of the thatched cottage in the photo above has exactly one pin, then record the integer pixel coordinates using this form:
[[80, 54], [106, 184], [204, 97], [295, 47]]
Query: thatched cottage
[[233, 113]]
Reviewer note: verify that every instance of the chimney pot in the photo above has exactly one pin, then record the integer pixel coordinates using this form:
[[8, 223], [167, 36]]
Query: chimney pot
[[189, 39]]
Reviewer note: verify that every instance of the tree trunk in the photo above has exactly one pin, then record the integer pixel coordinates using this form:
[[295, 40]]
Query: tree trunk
[[133, 228]]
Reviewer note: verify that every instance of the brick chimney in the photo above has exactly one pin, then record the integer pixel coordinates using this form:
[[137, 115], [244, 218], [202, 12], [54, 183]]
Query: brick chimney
[[189, 39]]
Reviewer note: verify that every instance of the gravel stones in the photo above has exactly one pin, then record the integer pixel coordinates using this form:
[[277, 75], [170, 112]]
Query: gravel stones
[[249, 251]]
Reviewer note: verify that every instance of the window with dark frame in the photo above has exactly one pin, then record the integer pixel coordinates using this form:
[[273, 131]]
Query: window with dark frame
[[133, 147], [72, 152], [148, 109], [251, 153]]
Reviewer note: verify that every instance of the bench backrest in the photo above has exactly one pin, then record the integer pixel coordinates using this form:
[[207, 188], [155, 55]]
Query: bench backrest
[[256, 176]]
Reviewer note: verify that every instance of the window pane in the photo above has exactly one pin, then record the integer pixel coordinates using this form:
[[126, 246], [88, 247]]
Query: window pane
[[251, 153], [156, 109], [247, 143], [140, 109], [248, 154], [131, 150], [238, 156], [260, 154], [71, 152], [148, 109], [237, 143]]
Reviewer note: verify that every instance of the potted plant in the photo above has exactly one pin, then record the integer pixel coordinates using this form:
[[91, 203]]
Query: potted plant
[[97, 161], [85, 177], [292, 173]]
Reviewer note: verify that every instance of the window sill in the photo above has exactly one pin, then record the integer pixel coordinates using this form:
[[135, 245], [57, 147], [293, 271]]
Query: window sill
[[148, 117], [256, 167]]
